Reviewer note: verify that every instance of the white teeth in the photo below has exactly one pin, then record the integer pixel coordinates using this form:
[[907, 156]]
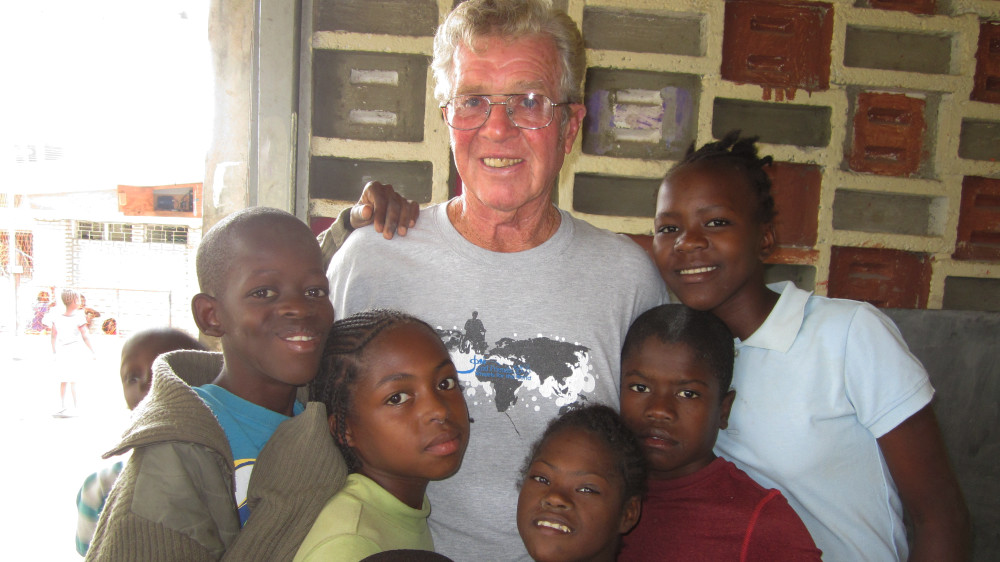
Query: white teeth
[[299, 338], [555, 526], [698, 270], [500, 162]]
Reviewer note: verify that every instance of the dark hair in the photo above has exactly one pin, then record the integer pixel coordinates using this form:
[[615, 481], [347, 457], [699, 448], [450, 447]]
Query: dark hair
[[166, 338], [215, 250], [606, 424], [705, 333], [343, 362], [740, 155]]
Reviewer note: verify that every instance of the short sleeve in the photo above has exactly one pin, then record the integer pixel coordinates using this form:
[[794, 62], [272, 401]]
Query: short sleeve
[[341, 548], [884, 381]]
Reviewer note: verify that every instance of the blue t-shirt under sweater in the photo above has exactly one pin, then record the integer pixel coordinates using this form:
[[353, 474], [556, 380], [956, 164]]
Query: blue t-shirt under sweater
[[248, 427]]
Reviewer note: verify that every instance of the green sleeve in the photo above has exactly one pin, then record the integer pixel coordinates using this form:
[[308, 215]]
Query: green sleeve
[[331, 239], [342, 548]]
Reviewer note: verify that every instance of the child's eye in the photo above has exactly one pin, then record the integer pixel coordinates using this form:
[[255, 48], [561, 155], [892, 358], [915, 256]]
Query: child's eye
[[688, 394], [540, 479], [398, 398], [717, 222], [666, 229], [636, 387], [264, 293], [587, 490], [317, 292], [448, 383]]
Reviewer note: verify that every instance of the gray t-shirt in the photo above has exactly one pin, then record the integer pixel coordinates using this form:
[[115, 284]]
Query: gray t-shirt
[[554, 319]]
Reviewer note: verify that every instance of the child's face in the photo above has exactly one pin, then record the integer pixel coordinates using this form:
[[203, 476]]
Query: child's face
[[137, 365], [708, 243], [273, 313], [671, 401], [408, 420], [571, 505]]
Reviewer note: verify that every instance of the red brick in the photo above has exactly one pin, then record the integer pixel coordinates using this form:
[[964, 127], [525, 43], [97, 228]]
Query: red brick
[[783, 45], [979, 220], [888, 134], [986, 83], [795, 188], [925, 7], [882, 277]]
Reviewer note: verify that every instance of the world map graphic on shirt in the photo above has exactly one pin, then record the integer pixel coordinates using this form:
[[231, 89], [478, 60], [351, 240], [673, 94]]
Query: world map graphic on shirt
[[548, 367]]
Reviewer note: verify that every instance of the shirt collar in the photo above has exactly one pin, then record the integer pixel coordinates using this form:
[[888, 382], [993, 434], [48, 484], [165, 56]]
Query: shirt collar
[[779, 329]]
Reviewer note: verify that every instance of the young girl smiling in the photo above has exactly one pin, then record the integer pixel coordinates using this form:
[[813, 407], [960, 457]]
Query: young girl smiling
[[398, 415], [581, 488], [831, 408]]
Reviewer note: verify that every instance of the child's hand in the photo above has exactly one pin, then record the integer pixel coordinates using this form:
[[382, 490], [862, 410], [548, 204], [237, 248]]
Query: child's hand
[[388, 210]]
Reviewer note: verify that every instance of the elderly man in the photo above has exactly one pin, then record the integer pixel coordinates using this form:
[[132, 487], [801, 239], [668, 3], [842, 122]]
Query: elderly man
[[555, 294]]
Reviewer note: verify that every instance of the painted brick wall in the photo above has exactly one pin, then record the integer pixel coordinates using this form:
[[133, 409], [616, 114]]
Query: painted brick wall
[[883, 117]]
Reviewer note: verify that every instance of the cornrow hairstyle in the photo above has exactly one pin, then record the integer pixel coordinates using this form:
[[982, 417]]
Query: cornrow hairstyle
[[343, 363], [739, 154], [607, 425], [704, 333]]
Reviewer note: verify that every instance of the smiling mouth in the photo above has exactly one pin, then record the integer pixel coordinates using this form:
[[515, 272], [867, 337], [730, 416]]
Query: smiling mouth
[[697, 270], [553, 525], [501, 162], [300, 338]]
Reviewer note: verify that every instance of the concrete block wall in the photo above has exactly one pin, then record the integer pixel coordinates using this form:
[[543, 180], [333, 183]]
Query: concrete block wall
[[883, 117]]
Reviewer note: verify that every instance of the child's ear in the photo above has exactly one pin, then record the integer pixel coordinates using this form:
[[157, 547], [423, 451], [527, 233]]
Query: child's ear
[[767, 243], [726, 408], [630, 514], [206, 315]]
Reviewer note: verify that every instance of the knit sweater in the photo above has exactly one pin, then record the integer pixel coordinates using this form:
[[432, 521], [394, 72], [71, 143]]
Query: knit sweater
[[174, 500]]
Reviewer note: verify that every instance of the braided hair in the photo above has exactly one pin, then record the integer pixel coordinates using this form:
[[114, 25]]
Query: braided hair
[[607, 425], [343, 362], [740, 155]]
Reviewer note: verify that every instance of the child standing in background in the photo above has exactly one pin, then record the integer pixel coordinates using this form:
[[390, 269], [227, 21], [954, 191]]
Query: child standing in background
[[69, 338], [136, 372], [398, 415], [581, 487], [677, 365], [831, 407]]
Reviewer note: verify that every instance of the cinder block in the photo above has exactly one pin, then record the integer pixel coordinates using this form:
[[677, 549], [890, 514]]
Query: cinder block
[[386, 17], [888, 134], [615, 196], [634, 114], [971, 293], [897, 50], [642, 32], [924, 7], [369, 96], [894, 213], [343, 179], [803, 125], [986, 83], [979, 140], [795, 188], [783, 45], [979, 220], [804, 276], [885, 278]]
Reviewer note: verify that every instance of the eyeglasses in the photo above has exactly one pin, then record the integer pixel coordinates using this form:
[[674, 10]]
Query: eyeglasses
[[526, 111]]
